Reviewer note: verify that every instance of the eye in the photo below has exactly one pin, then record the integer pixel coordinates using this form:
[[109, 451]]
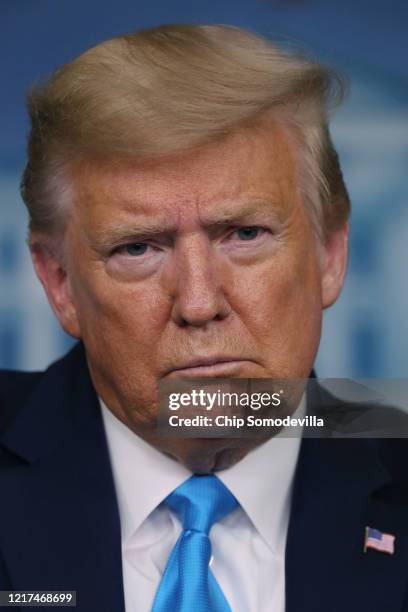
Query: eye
[[134, 249], [248, 233]]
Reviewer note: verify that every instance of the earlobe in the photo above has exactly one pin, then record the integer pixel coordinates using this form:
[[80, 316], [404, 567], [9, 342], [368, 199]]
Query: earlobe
[[335, 253], [53, 277]]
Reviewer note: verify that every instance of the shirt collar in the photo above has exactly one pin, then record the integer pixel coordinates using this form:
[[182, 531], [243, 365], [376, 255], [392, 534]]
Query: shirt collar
[[143, 476], [261, 481]]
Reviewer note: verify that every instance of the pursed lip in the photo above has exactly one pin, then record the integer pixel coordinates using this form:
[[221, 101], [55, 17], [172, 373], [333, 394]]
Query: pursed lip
[[207, 366]]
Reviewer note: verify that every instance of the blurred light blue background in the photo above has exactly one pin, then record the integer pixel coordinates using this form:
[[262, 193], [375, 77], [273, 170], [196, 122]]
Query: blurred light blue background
[[366, 332]]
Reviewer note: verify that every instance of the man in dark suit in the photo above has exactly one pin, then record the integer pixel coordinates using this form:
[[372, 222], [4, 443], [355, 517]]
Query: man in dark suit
[[188, 218]]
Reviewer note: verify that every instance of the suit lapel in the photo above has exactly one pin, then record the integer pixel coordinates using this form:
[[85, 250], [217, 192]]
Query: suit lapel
[[60, 528], [341, 487]]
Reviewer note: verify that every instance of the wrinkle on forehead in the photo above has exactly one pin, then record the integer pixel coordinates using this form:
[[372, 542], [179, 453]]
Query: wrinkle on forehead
[[204, 185]]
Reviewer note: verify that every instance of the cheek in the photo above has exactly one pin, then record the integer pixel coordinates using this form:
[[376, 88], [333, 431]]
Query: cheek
[[280, 305], [121, 330], [115, 314], [278, 291]]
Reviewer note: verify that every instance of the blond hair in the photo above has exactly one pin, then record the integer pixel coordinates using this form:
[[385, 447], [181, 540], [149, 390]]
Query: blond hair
[[173, 88]]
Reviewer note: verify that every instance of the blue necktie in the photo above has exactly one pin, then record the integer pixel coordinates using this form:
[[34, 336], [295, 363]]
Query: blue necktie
[[188, 583]]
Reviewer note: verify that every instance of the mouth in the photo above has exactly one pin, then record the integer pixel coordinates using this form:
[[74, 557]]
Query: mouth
[[209, 367]]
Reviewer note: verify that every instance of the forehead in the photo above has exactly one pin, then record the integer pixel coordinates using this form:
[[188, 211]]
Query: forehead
[[249, 165]]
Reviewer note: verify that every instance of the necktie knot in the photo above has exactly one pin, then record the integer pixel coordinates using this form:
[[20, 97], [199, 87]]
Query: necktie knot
[[201, 501]]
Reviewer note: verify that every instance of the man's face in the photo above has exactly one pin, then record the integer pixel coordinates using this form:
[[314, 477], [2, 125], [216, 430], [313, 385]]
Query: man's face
[[201, 264]]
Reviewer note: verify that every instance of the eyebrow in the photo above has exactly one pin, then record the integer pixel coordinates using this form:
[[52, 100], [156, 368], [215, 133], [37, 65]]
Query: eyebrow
[[151, 228], [118, 234], [262, 209]]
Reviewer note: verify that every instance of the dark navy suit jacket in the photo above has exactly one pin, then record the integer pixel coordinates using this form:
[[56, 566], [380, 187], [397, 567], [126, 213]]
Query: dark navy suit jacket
[[59, 520]]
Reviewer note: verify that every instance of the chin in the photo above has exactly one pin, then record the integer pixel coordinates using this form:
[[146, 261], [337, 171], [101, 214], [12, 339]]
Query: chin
[[210, 460]]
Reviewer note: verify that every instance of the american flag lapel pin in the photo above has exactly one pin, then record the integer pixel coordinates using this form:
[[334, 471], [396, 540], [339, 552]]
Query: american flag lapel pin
[[383, 542]]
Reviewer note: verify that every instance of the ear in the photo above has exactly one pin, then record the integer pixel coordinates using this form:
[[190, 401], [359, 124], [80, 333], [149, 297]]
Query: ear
[[53, 276], [335, 252]]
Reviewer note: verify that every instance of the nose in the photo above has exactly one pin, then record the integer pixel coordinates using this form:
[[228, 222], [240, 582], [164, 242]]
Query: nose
[[199, 296]]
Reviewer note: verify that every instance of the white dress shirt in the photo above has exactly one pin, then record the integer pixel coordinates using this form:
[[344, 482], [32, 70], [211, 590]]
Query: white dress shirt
[[248, 546]]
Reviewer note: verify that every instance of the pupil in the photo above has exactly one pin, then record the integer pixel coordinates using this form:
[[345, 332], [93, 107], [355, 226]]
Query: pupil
[[138, 248], [248, 233]]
